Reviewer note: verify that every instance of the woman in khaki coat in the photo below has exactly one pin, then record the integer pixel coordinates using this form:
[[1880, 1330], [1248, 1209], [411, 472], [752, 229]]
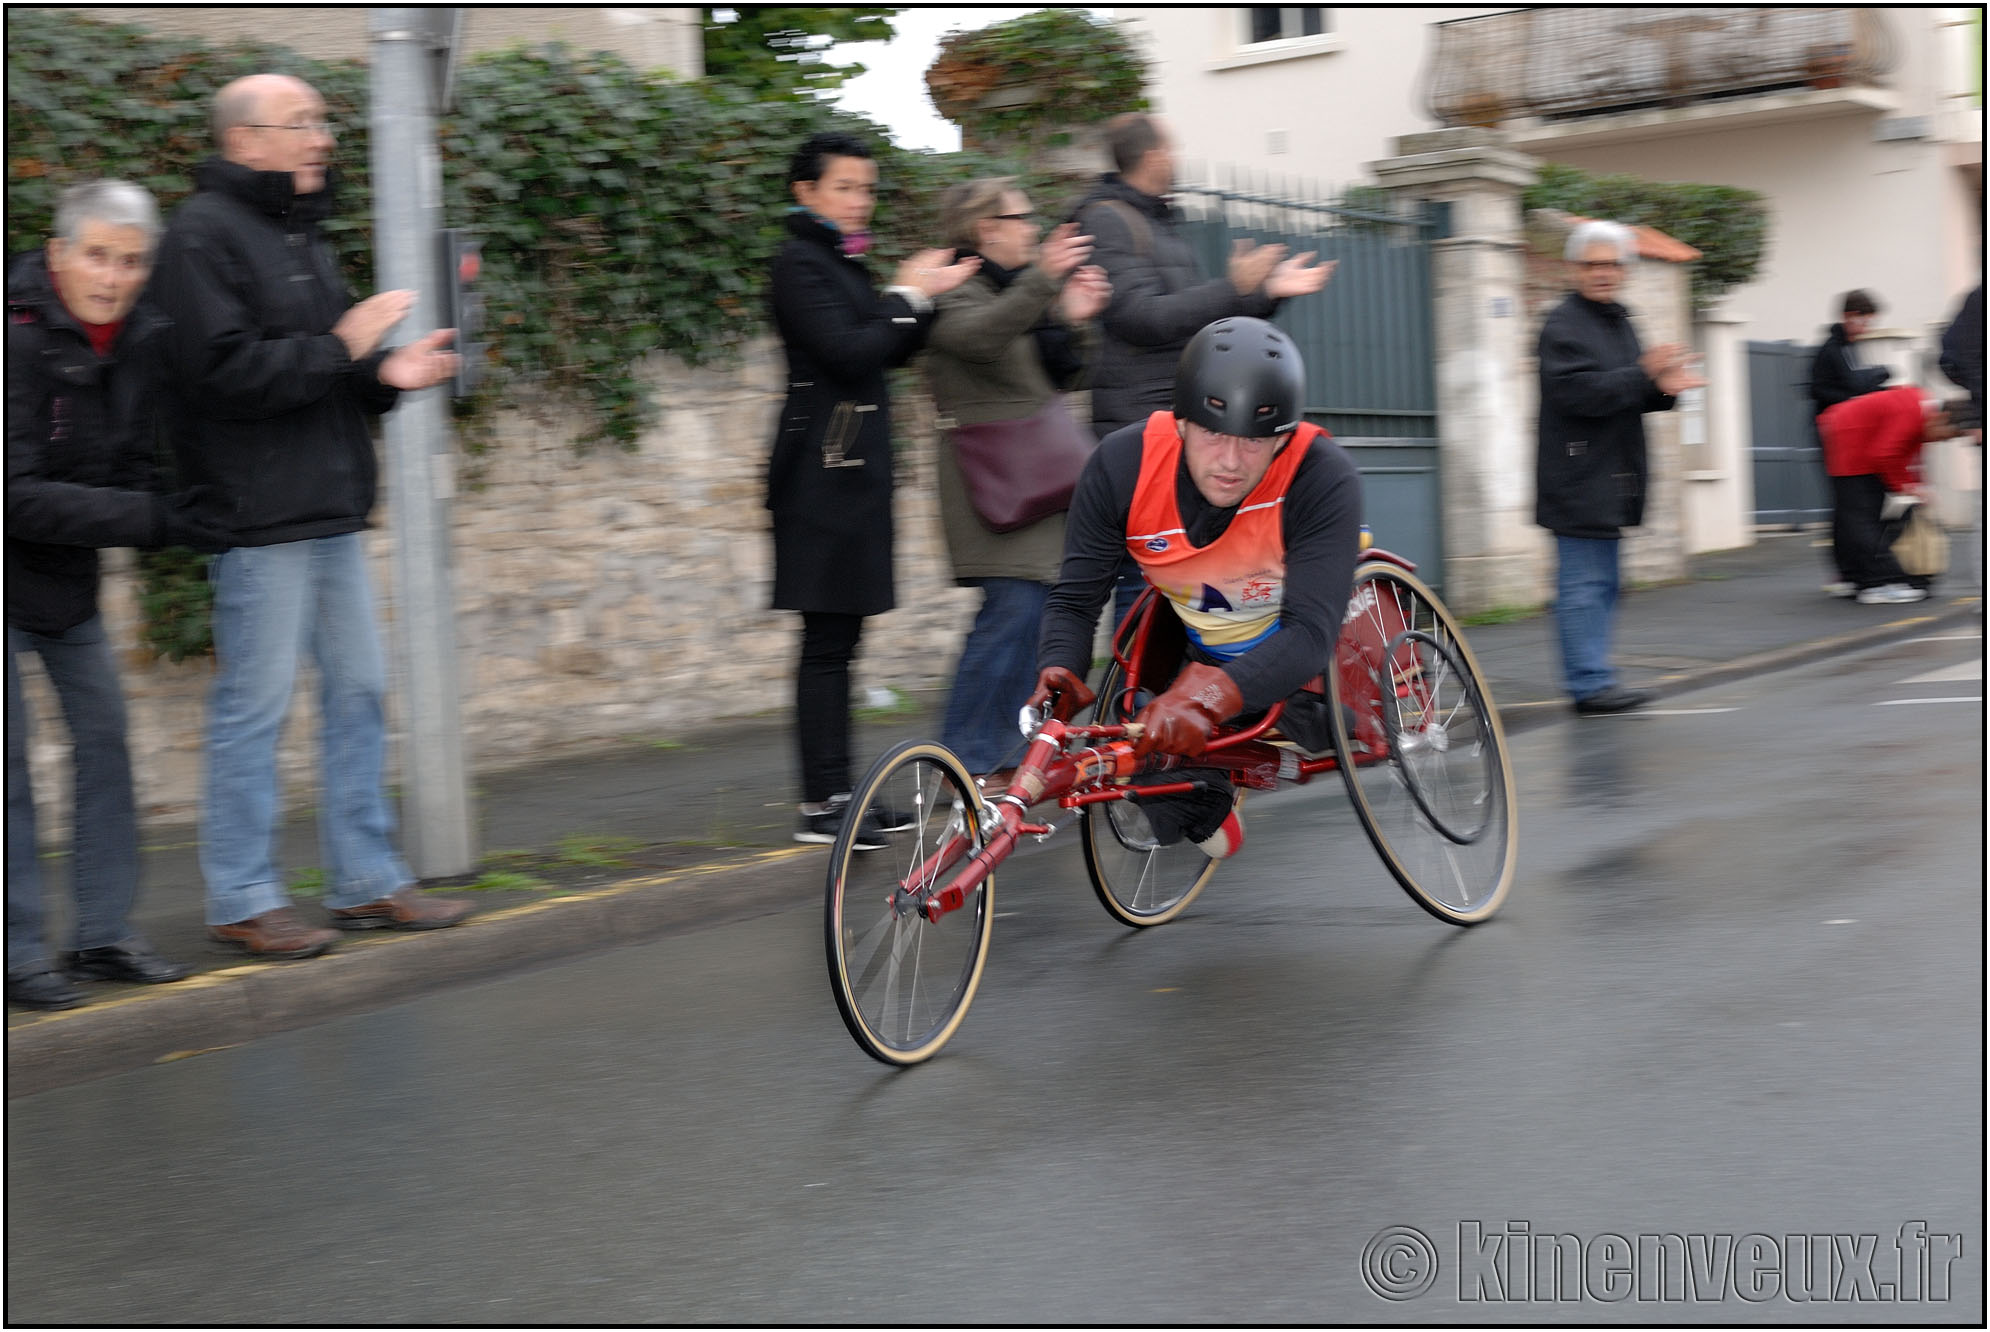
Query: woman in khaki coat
[[1003, 344]]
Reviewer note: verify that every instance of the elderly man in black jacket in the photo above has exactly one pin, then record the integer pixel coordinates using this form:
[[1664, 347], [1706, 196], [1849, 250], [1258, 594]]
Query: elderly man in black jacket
[[1836, 376], [277, 372], [1596, 385], [82, 392]]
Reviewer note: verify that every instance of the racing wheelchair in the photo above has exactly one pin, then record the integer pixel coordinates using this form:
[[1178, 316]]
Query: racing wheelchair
[[1413, 734]]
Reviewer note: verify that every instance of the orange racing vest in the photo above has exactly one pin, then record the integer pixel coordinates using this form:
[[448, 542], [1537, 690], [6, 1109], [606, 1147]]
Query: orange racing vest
[[1228, 593]]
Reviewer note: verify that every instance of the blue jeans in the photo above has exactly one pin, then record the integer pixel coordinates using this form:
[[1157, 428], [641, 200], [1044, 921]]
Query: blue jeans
[[104, 868], [996, 674], [1585, 607], [270, 604]]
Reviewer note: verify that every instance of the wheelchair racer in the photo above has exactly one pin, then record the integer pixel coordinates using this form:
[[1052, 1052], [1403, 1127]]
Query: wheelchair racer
[[1248, 521]]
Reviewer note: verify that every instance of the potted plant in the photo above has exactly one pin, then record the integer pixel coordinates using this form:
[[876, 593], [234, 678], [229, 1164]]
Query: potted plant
[[1826, 63]]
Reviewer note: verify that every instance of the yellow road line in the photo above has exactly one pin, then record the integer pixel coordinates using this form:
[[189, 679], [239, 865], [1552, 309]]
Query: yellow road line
[[208, 980]]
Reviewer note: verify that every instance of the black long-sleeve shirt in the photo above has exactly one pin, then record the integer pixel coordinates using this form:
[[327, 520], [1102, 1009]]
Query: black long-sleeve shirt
[[1836, 375], [1321, 520]]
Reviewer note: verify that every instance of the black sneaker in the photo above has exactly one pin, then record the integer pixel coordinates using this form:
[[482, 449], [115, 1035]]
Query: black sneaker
[[826, 826], [1614, 699]]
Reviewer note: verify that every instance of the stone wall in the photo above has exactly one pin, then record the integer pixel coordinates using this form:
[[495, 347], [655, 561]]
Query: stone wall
[[600, 596]]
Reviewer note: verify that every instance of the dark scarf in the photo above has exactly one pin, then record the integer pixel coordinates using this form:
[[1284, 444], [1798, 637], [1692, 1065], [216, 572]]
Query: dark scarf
[[1053, 338]]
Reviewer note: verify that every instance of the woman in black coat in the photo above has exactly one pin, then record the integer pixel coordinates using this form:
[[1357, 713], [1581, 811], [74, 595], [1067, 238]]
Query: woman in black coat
[[829, 479]]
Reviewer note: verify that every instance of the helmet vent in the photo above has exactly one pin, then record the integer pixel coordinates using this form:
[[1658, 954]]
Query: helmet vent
[[1215, 404]]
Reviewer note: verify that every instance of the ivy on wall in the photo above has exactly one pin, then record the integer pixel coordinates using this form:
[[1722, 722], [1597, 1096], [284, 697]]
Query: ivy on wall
[[1729, 226], [622, 215]]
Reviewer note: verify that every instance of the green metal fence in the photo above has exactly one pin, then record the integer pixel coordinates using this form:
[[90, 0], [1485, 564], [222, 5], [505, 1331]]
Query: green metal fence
[[1367, 340]]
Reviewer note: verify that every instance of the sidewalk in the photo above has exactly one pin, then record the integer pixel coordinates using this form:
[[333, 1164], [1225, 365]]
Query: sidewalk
[[611, 847]]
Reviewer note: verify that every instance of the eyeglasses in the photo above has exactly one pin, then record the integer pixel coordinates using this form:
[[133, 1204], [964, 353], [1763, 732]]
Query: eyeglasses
[[1015, 217], [1593, 265], [302, 127]]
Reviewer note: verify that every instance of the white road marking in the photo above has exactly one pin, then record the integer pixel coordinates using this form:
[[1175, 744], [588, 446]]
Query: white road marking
[[1675, 712], [1907, 702], [1838, 922], [1968, 670], [1947, 638]]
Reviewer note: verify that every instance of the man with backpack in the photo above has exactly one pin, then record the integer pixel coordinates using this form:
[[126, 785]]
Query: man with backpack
[[1159, 298]]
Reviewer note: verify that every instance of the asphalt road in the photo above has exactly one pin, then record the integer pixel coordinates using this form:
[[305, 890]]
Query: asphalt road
[[1729, 1026]]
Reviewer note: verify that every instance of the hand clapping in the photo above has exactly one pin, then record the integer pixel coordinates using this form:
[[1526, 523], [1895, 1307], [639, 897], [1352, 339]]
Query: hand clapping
[[1670, 367], [422, 363], [1251, 264], [1063, 250], [1294, 278], [935, 272], [362, 327], [1085, 296]]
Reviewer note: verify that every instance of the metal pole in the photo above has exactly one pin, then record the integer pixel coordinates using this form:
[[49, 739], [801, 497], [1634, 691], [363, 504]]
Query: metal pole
[[407, 213]]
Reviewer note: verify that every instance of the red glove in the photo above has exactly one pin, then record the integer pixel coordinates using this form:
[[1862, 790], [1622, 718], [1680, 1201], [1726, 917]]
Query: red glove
[[1070, 692], [1179, 721]]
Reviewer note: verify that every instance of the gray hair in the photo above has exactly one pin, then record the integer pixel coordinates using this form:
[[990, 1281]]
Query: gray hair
[[1602, 233], [117, 203]]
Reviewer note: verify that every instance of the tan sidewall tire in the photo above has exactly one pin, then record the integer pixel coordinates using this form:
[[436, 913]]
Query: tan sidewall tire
[[1376, 570], [839, 862]]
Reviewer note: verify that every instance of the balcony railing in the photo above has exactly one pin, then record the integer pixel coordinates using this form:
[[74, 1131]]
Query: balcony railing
[[1557, 64]]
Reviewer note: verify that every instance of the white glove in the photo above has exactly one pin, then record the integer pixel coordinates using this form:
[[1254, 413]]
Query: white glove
[[1898, 505]]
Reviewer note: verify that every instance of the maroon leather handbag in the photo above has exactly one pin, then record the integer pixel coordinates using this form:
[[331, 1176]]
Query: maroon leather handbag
[[1020, 472]]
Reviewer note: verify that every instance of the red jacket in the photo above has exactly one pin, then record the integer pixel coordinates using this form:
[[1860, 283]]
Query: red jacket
[[1876, 434]]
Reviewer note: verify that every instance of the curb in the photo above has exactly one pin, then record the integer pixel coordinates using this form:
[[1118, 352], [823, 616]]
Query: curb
[[218, 1009]]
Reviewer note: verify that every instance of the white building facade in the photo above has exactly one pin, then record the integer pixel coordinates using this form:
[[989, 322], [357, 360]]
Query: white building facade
[[1873, 182]]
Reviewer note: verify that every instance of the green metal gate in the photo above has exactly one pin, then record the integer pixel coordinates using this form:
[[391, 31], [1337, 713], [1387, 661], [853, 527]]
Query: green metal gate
[[1367, 340], [1783, 445]]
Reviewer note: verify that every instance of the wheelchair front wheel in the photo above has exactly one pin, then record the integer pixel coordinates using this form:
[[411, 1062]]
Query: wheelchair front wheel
[[903, 982]]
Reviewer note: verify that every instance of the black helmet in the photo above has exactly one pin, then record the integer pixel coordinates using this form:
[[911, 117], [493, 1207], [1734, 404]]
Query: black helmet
[[1240, 377]]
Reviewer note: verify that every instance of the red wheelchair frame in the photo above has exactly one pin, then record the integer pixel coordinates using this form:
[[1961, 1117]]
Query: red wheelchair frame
[[1405, 701]]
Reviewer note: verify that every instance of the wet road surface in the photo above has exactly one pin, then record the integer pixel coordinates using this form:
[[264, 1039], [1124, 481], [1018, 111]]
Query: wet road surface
[[1737, 991]]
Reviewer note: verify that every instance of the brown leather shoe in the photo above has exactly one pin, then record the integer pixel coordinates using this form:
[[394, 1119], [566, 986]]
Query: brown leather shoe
[[280, 933], [405, 910]]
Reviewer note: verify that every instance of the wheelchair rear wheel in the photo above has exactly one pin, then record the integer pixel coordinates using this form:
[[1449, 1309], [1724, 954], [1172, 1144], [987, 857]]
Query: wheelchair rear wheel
[[1423, 752]]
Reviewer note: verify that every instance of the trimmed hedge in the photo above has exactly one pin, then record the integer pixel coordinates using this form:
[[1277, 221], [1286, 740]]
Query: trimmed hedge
[[1729, 226]]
